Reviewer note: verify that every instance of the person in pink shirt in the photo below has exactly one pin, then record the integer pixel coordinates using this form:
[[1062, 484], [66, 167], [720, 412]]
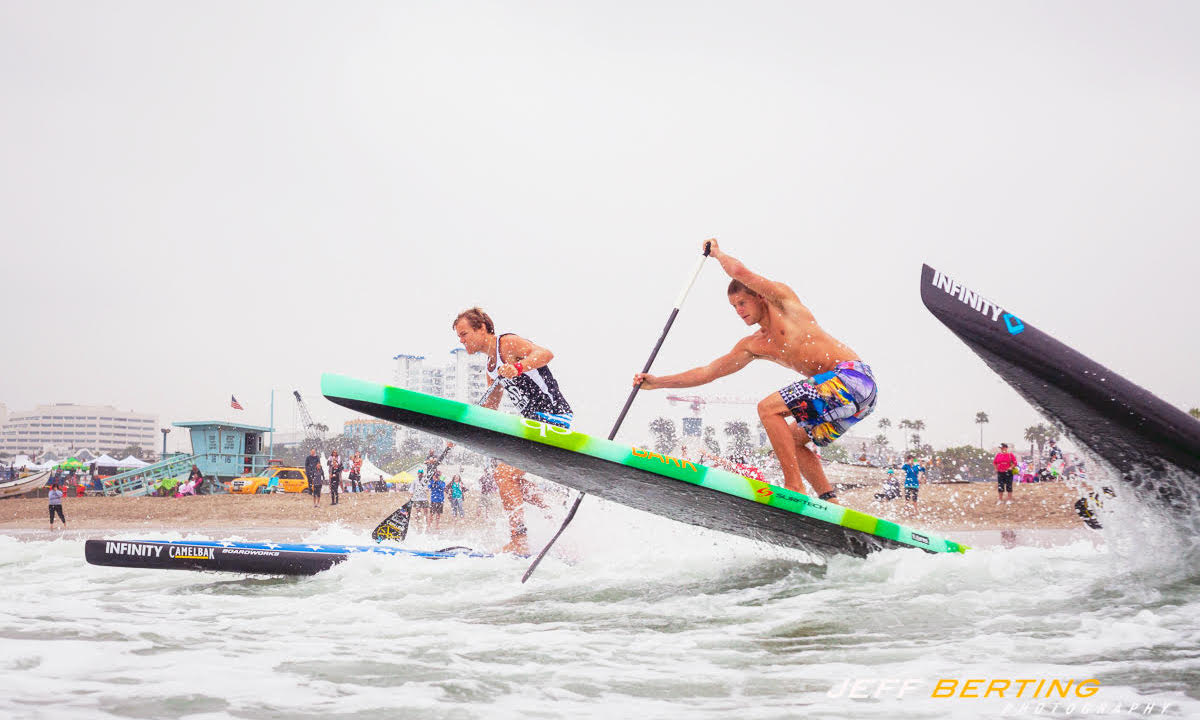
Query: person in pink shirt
[[1004, 462]]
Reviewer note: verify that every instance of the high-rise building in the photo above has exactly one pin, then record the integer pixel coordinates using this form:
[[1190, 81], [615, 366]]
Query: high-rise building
[[376, 437], [463, 378], [66, 426], [466, 375], [409, 372]]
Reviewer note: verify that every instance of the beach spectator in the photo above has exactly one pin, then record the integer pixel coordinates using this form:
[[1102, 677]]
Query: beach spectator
[[891, 486], [912, 480], [335, 477], [1054, 454], [312, 467], [80, 489], [489, 491], [456, 496], [195, 480], [56, 498], [381, 485], [420, 500], [437, 498], [1004, 462], [356, 472], [316, 480]]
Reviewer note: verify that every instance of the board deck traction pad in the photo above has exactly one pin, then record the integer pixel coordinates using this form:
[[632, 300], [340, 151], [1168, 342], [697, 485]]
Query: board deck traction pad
[[361, 395]]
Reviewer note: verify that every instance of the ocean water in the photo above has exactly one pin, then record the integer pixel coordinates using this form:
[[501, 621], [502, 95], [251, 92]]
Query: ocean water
[[636, 617]]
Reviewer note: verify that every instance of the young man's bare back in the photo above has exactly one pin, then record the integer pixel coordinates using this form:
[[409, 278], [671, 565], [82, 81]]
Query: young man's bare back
[[840, 391]]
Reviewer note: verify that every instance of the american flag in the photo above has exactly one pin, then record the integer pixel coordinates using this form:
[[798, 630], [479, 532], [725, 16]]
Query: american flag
[[233, 403]]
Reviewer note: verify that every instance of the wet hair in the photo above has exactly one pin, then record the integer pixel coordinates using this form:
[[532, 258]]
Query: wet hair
[[737, 286], [476, 318]]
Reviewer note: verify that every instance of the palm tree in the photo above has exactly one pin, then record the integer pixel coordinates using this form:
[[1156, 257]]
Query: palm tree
[[884, 425], [905, 425], [738, 431], [980, 419], [917, 426], [1038, 435], [1194, 412], [1031, 434], [663, 430]]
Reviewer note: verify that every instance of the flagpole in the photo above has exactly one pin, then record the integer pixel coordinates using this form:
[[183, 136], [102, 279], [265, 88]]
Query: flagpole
[[271, 449]]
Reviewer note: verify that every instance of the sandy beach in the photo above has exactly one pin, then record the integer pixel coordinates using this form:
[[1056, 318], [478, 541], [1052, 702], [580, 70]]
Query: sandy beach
[[942, 508]]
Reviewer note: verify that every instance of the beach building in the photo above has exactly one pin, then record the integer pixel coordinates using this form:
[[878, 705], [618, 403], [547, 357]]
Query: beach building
[[377, 437], [65, 425]]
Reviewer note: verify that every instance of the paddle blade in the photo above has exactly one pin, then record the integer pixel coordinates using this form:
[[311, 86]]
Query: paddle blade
[[395, 526]]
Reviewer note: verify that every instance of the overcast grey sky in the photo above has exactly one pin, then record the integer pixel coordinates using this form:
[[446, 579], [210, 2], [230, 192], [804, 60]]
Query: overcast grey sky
[[213, 198]]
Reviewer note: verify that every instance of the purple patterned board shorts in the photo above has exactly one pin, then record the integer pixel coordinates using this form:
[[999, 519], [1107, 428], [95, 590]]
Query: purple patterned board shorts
[[828, 404]]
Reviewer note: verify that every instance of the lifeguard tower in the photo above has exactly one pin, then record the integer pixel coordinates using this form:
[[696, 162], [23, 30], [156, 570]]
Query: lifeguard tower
[[222, 451], [225, 450]]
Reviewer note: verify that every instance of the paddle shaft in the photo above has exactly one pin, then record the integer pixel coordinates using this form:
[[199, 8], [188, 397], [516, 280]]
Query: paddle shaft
[[625, 410]]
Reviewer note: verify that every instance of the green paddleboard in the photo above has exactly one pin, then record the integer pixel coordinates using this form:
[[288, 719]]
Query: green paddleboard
[[678, 489]]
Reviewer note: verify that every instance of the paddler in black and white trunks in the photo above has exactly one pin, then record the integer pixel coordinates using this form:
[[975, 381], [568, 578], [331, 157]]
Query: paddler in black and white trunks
[[837, 391], [520, 368]]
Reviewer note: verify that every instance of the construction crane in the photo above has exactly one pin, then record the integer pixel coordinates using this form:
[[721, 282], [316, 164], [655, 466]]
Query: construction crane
[[697, 402], [314, 432]]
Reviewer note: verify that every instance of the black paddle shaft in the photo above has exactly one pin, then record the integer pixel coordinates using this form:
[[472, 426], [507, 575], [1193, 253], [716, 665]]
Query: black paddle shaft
[[624, 411]]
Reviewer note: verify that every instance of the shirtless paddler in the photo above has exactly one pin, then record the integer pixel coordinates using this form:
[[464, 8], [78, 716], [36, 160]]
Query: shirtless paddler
[[837, 389]]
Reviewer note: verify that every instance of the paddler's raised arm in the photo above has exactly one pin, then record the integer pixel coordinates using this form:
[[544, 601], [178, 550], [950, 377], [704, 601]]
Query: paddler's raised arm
[[775, 292], [731, 362]]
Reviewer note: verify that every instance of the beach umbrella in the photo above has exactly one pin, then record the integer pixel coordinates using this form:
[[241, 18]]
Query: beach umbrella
[[70, 464]]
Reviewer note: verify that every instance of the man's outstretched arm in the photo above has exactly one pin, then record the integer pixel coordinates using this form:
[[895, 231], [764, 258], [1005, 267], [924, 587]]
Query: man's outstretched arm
[[773, 291], [731, 362]]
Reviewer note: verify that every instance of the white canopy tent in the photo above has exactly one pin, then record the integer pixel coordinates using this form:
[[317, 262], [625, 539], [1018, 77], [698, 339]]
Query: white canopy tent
[[21, 461], [370, 471], [131, 462], [106, 461]]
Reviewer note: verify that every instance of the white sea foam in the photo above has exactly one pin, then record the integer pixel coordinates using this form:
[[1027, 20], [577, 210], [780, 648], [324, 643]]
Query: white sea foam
[[635, 616]]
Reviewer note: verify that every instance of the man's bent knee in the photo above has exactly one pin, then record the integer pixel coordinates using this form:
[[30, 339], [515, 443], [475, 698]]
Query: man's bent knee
[[773, 405]]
